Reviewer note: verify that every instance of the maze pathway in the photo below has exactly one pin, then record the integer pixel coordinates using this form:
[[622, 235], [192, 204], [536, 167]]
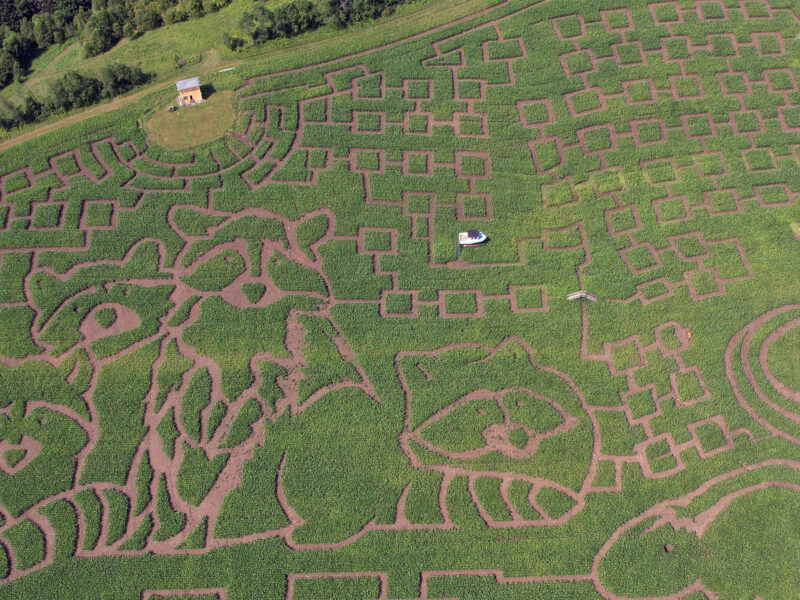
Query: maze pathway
[[274, 342]]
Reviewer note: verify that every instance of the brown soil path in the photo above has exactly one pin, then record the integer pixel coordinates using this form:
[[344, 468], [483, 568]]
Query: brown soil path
[[665, 513], [230, 476], [742, 361], [423, 15], [448, 472], [128, 157]]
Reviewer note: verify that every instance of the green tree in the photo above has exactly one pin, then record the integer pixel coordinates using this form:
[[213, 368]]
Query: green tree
[[99, 35], [338, 12], [148, 19], [6, 68]]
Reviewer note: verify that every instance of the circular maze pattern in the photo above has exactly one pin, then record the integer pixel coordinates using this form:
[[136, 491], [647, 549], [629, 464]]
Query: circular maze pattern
[[765, 397]]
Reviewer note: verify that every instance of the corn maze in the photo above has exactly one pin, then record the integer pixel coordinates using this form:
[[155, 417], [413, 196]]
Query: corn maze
[[261, 368]]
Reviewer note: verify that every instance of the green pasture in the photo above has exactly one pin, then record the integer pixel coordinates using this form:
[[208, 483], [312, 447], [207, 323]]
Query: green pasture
[[243, 357]]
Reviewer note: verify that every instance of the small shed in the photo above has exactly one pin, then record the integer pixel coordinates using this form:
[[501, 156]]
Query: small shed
[[189, 91]]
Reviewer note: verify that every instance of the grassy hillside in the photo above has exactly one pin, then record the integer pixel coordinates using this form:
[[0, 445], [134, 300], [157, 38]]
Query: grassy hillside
[[324, 44], [196, 41]]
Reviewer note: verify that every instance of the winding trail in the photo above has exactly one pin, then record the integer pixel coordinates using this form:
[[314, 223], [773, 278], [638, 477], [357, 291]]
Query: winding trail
[[143, 177]]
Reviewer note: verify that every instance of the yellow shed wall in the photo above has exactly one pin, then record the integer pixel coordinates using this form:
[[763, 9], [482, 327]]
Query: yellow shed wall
[[194, 92]]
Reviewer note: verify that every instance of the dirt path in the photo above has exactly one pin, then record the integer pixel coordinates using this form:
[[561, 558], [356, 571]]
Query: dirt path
[[767, 404], [666, 513], [422, 16], [126, 157]]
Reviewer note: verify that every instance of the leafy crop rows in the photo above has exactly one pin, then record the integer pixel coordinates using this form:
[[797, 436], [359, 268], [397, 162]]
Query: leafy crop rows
[[268, 359]]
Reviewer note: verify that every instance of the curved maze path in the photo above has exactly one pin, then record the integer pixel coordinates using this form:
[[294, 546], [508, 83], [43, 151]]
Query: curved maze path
[[344, 156], [769, 401]]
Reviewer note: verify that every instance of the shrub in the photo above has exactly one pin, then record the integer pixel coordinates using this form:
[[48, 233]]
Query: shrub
[[231, 42], [72, 90]]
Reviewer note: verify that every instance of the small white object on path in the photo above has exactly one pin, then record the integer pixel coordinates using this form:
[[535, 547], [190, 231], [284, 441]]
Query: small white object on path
[[581, 295]]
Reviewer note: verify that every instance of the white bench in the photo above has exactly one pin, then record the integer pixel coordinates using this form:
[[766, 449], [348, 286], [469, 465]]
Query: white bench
[[581, 295]]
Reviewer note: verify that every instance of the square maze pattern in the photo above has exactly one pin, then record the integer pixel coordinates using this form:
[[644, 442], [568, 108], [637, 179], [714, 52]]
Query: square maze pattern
[[634, 152]]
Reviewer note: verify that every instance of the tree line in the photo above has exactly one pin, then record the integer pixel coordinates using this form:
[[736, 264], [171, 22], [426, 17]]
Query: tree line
[[28, 27], [112, 20], [294, 17], [71, 90]]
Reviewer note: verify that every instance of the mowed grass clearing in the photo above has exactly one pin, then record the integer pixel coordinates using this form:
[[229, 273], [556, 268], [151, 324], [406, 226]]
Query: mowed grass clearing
[[193, 125], [323, 44]]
